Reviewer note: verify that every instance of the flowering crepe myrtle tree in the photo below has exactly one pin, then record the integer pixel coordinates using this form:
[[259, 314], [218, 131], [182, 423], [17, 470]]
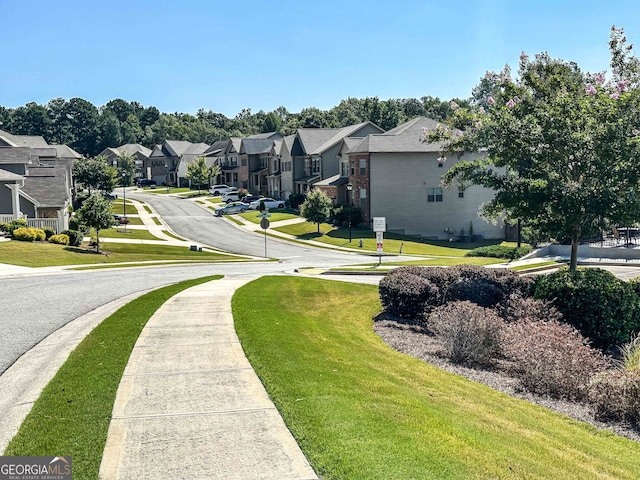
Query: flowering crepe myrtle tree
[[562, 147]]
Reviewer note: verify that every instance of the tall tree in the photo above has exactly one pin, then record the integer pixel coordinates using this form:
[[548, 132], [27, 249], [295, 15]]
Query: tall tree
[[316, 208], [126, 169], [95, 212], [32, 119], [95, 173], [562, 147], [198, 172]]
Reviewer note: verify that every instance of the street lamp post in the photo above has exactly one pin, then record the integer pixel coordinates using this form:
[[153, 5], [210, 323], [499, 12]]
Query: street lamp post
[[166, 167], [124, 199], [349, 190]]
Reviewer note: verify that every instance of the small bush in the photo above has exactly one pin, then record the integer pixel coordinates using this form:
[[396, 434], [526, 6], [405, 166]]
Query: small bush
[[61, 239], [340, 215], [601, 306], [551, 358], [615, 395], [28, 234], [470, 333], [74, 224], [75, 237], [48, 232], [407, 295], [15, 224], [401, 294], [296, 199], [518, 308], [499, 251], [630, 354], [4, 227]]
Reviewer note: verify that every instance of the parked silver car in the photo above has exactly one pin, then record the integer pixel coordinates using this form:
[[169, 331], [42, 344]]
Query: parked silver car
[[229, 208]]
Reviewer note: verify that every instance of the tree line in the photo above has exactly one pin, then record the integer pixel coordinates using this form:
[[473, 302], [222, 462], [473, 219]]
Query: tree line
[[89, 129]]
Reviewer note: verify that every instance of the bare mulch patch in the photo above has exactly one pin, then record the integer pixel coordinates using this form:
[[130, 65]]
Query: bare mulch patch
[[411, 340]]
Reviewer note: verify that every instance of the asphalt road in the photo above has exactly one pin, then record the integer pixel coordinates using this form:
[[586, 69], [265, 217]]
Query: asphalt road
[[34, 306]]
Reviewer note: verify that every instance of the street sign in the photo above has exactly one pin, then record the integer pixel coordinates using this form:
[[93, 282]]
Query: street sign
[[264, 223], [264, 214], [379, 237], [379, 224]]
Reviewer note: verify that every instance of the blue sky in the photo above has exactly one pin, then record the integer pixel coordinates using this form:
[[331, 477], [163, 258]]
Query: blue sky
[[227, 55]]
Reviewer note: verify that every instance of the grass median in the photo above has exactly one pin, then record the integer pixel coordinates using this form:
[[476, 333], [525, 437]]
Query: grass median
[[393, 243], [43, 254], [72, 415], [359, 409]]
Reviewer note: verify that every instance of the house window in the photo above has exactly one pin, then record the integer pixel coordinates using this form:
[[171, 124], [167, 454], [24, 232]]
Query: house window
[[235, 177], [434, 194], [461, 193], [264, 162], [344, 169], [315, 166], [363, 198], [363, 166]]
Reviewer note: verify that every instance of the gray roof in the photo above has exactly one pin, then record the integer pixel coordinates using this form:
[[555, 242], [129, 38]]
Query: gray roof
[[288, 142], [65, 151], [217, 147], [196, 149], [236, 143], [404, 138], [47, 186], [129, 149], [332, 181], [15, 155], [176, 147], [9, 176], [45, 152], [254, 146], [268, 135], [307, 179], [315, 141], [25, 140]]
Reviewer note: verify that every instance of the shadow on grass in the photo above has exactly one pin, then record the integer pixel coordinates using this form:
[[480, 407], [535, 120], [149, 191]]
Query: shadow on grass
[[83, 250], [343, 233], [310, 236]]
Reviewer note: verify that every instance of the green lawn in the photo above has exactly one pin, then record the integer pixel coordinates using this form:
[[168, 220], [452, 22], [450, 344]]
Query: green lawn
[[135, 221], [119, 232], [447, 262], [156, 220], [536, 265], [392, 242], [276, 215], [168, 233], [43, 254], [148, 209], [73, 412], [119, 209], [162, 190], [360, 410]]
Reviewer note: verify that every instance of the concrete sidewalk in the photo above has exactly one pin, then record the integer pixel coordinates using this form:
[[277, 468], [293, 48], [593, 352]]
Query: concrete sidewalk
[[189, 404]]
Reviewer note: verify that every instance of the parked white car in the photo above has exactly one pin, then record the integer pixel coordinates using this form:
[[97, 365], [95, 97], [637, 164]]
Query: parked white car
[[232, 196], [268, 202], [218, 190]]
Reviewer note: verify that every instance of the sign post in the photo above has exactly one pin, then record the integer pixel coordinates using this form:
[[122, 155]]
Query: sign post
[[264, 224], [379, 226]]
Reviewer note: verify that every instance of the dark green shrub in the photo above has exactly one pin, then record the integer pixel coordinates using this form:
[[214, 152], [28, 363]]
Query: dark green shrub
[[602, 307], [551, 358], [48, 232], [75, 237], [4, 227], [615, 395], [14, 224], [341, 215], [469, 333], [635, 284], [74, 224], [407, 295], [404, 293], [483, 292], [499, 251], [296, 199], [61, 239]]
